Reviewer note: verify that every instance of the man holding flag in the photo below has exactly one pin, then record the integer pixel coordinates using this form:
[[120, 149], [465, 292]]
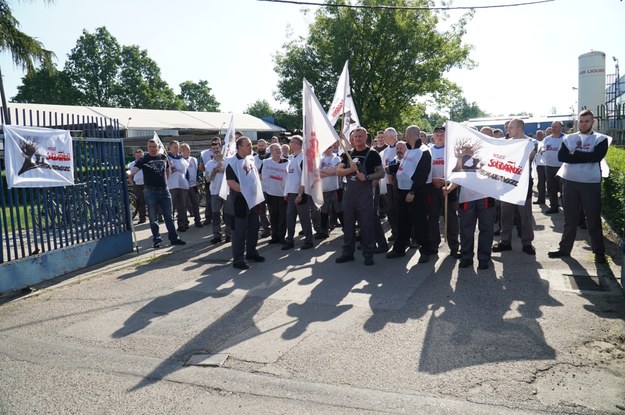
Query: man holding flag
[[361, 166]]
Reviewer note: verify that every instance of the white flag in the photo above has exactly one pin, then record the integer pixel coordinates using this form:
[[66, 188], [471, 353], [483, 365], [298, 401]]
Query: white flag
[[343, 103], [318, 136], [229, 151], [161, 147], [38, 157], [490, 166], [230, 143]]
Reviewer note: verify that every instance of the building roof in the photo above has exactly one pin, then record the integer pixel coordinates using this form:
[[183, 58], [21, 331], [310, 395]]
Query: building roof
[[148, 119]]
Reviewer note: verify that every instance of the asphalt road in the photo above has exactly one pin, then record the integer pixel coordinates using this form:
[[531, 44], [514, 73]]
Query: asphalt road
[[299, 334]]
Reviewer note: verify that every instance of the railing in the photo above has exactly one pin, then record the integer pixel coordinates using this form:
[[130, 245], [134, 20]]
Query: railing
[[37, 220]]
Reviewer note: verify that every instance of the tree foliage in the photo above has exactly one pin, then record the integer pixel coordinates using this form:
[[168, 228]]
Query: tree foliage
[[47, 86], [260, 108], [394, 57], [462, 110], [101, 72], [139, 83], [93, 66], [197, 96]]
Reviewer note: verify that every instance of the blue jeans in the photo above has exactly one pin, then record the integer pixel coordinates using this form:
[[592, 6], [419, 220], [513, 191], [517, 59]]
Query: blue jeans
[[157, 198]]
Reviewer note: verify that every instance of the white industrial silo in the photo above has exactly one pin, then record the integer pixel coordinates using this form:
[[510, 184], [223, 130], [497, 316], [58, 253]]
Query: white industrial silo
[[591, 87]]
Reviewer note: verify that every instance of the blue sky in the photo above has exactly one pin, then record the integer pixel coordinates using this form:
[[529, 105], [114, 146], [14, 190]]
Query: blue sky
[[527, 56]]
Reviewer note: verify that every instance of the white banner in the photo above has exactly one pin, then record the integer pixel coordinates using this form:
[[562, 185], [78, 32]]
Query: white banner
[[38, 157], [318, 136], [493, 167], [161, 146]]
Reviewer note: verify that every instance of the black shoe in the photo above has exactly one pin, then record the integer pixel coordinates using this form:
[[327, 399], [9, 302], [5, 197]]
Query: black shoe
[[321, 235], [228, 238], [424, 258], [552, 210], [287, 246], [392, 237], [600, 259], [456, 255], [465, 263], [182, 229], [380, 250], [557, 254], [301, 233], [344, 258], [142, 221], [368, 261], [157, 243], [255, 258], [199, 225], [539, 202], [207, 222], [482, 264], [274, 241], [266, 233], [240, 265], [395, 254], [178, 242], [500, 247], [308, 245], [529, 250], [216, 240]]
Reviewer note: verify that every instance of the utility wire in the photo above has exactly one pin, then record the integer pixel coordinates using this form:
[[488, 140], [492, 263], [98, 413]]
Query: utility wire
[[362, 6]]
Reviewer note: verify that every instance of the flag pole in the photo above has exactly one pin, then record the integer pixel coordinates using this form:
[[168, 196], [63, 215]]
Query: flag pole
[[341, 143]]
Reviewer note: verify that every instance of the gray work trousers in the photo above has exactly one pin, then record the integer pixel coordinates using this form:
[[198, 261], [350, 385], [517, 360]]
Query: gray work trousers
[[293, 211], [554, 186], [482, 212], [245, 235], [436, 208], [527, 222], [575, 197], [358, 203]]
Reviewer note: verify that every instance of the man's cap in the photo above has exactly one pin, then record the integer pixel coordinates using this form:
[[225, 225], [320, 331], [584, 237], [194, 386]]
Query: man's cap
[[440, 128]]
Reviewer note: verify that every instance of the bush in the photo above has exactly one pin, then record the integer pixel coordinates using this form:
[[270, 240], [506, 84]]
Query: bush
[[613, 190]]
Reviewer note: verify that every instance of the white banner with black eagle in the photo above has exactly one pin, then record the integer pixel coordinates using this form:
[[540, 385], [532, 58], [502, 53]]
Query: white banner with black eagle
[[38, 157], [493, 167]]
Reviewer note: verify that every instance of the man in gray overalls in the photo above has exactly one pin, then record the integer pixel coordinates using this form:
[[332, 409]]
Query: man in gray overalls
[[360, 169]]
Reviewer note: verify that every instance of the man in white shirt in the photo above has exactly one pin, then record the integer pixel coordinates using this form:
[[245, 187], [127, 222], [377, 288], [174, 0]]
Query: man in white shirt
[[581, 154]]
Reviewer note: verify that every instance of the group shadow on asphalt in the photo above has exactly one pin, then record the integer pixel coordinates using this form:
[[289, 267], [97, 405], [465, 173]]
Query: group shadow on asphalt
[[473, 317]]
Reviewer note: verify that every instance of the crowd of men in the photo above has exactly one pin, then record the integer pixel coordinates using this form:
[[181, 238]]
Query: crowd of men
[[396, 176]]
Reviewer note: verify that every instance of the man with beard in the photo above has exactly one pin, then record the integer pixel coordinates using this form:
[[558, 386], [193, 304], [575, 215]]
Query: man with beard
[[581, 154]]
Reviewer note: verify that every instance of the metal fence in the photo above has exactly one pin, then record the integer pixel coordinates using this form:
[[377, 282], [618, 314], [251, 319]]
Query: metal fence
[[611, 119], [38, 220]]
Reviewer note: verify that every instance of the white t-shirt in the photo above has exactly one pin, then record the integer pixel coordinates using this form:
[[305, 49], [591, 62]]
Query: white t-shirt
[[273, 175], [192, 170], [550, 147], [294, 176], [138, 177], [582, 172], [177, 179], [330, 183], [215, 183]]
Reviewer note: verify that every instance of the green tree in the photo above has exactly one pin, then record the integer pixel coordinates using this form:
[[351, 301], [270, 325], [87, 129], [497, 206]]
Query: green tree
[[462, 110], [26, 51], [93, 66], [140, 84], [394, 57], [260, 108], [46, 86], [197, 96]]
